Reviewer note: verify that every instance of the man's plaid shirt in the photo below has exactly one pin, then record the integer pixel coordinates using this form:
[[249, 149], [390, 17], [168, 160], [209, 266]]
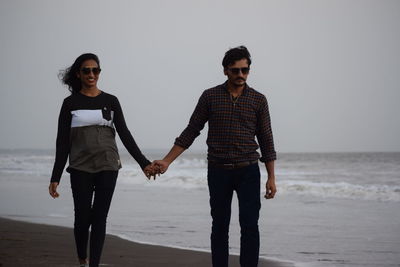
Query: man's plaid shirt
[[232, 126]]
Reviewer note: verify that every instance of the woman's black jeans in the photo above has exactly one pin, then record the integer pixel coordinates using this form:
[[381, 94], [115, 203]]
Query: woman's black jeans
[[92, 193], [221, 183]]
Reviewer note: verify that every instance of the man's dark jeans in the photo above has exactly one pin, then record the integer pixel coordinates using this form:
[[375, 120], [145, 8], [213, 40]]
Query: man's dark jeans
[[221, 183]]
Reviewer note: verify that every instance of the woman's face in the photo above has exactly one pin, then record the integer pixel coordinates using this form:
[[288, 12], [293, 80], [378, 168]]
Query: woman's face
[[89, 73]]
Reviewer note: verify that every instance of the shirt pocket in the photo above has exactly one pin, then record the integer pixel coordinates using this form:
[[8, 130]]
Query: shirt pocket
[[248, 120], [106, 112]]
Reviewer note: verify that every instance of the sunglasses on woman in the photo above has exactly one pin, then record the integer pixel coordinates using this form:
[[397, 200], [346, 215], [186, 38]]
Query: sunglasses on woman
[[87, 71]]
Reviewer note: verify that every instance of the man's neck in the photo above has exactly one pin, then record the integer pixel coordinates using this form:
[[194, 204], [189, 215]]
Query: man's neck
[[235, 91]]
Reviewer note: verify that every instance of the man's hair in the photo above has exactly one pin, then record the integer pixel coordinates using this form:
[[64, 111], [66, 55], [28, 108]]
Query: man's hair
[[235, 54]]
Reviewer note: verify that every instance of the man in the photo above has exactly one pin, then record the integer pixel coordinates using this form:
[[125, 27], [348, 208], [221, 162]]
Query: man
[[235, 114]]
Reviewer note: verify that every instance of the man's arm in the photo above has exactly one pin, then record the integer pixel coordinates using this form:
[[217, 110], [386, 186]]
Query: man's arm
[[266, 142], [264, 133], [270, 187], [185, 140]]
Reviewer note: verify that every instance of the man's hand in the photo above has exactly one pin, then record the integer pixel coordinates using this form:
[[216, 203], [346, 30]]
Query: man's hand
[[270, 188], [53, 190], [161, 165]]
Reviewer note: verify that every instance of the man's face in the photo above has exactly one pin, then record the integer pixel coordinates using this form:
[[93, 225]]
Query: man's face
[[237, 73]]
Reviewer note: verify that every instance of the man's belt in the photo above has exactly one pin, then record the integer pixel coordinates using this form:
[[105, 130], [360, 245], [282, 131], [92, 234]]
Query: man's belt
[[231, 166]]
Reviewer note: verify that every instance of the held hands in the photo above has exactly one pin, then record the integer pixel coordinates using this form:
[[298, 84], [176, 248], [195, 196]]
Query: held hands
[[161, 165], [157, 167], [151, 171]]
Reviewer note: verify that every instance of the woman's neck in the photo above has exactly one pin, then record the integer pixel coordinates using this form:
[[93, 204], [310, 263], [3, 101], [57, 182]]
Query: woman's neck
[[90, 91]]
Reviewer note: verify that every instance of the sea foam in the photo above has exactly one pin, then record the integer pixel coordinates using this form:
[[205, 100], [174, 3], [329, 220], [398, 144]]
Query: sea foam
[[312, 175]]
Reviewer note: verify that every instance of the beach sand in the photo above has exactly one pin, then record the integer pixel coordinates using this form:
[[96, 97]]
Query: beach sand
[[28, 244]]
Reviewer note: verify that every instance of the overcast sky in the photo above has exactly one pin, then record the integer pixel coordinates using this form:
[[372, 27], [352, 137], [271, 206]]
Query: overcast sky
[[330, 69]]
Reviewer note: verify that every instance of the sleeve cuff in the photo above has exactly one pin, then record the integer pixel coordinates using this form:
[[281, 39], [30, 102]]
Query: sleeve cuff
[[144, 163], [268, 158]]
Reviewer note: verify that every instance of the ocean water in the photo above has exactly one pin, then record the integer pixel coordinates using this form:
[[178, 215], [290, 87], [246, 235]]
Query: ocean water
[[332, 209]]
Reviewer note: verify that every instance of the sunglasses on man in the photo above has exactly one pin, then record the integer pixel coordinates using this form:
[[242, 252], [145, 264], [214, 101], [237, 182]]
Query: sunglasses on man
[[237, 70]]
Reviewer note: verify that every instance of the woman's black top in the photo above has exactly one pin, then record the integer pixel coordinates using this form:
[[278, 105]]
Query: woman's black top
[[86, 135]]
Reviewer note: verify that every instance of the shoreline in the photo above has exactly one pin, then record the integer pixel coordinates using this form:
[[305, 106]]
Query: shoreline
[[31, 244]]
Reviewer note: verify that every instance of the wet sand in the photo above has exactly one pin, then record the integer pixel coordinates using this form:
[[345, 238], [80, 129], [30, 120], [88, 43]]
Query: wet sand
[[29, 244]]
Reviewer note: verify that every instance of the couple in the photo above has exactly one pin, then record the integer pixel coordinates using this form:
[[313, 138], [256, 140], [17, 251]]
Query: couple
[[236, 114]]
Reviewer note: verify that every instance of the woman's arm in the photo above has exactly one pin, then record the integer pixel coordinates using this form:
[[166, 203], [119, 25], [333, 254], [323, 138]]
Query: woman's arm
[[126, 136], [62, 148]]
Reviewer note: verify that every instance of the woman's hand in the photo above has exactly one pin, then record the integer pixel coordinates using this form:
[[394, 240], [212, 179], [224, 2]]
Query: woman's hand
[[151, 171], [53, 190]]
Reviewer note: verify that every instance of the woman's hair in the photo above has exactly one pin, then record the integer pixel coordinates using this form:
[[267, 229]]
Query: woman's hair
[[235, 54], [69, 75]]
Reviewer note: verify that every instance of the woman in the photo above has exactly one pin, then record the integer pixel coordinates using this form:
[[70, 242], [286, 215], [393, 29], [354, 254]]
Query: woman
[[86, 135]]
